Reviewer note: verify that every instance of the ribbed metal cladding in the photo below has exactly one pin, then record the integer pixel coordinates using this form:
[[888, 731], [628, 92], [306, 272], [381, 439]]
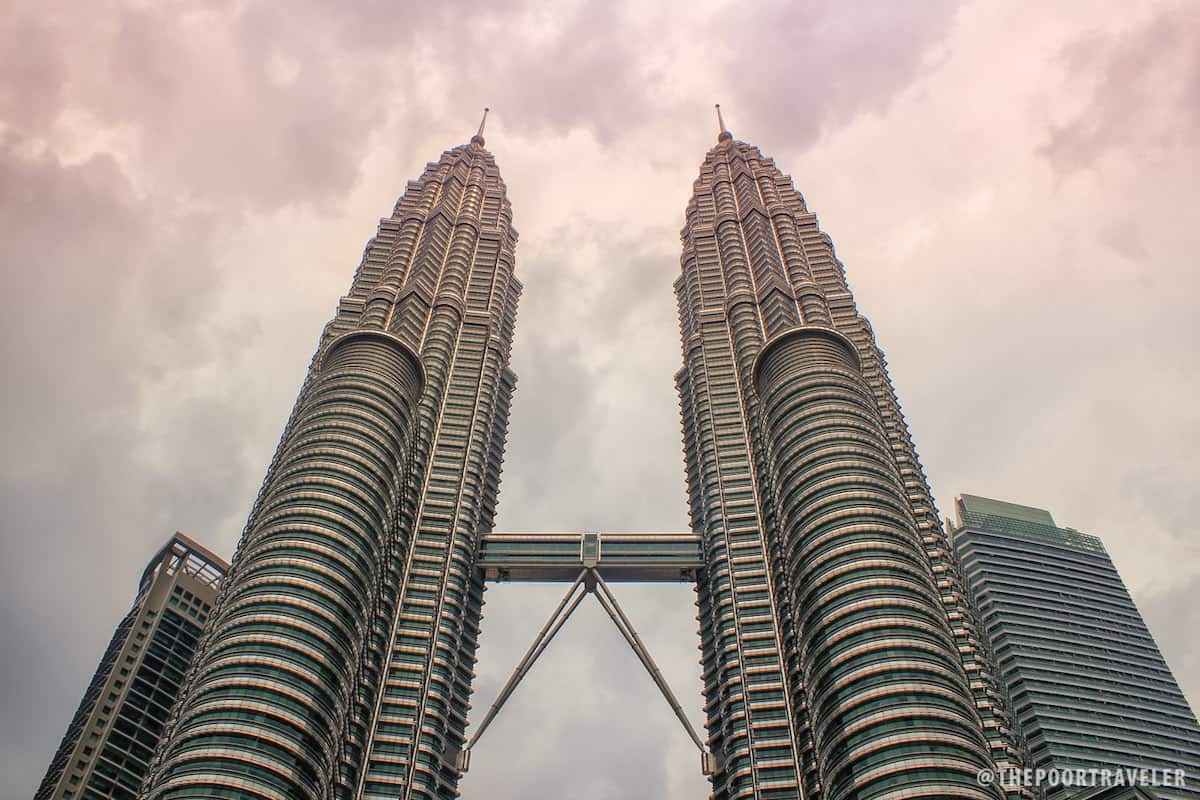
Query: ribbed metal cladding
[[889, 707], [754, 265], [457, 303], [267, 704], [342, 664], [733, 253]]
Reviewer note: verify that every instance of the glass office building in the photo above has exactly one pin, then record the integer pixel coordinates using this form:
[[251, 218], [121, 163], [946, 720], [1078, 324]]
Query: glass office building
[[1087, 684], [119, 722]]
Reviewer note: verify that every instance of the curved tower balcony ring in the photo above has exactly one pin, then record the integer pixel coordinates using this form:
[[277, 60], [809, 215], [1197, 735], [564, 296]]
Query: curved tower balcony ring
[[381, 336], [803, 331]]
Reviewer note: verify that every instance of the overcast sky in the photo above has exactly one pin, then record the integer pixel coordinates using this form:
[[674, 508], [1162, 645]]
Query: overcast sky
[[186, 188]]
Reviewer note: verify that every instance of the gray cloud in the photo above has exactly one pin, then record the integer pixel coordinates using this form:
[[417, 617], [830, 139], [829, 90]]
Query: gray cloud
[[1174, 618], [1141, 89], [31, 95], [587, 720], [808, 68], [595, 351], [94, 330]]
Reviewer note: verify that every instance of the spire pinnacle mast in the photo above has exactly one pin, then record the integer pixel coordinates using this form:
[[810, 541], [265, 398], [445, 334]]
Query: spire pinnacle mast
[[723, 135], [478, 137]]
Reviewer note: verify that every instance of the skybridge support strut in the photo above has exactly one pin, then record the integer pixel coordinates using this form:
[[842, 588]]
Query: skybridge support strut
[[609, 602], [571, 600], [588, 582]]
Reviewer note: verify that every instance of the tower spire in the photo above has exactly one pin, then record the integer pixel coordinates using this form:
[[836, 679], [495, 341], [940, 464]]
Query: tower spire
[[723, 135], [478, 137]]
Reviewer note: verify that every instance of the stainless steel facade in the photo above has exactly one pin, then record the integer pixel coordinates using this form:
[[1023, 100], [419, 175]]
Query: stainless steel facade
[[340, 656], [839, 657], [1088, 686], [112, 738]]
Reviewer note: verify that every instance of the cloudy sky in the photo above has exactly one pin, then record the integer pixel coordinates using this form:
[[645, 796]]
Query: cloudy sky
[[186, 188]]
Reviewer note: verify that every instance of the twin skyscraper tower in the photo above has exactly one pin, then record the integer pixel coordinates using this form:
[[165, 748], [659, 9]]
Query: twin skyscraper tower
[[840, 657]]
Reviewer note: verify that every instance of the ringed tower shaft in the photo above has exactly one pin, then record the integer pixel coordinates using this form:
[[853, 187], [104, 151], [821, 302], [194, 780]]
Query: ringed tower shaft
[[340, 657], [836, 644]]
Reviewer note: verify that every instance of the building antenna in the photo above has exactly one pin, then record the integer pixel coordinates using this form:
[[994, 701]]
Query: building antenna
[[723, 134], [478, 137]]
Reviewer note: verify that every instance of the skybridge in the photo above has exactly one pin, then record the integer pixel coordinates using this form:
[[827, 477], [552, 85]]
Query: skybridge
[[617, 557], [589, 560]]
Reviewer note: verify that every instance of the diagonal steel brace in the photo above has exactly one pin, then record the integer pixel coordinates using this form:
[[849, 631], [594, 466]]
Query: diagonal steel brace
[[588, 582]]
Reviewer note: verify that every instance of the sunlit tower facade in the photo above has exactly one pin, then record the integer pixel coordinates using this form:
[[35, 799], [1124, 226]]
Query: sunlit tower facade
[[339, 660], [839, 656]]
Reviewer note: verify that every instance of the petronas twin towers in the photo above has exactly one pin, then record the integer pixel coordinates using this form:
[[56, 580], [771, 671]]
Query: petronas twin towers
[[840, 659]]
